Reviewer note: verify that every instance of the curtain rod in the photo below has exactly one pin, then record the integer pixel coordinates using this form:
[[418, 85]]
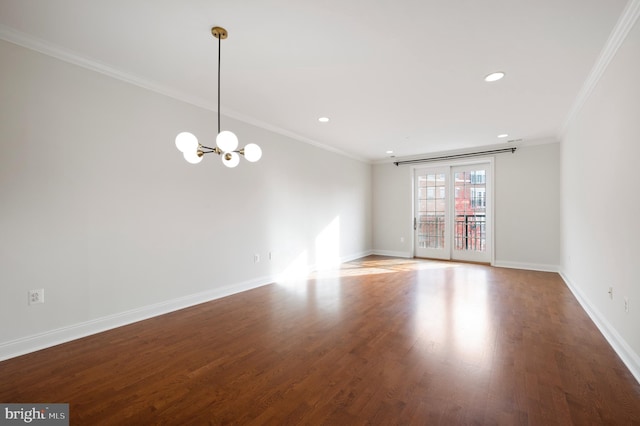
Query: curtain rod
[[454, 156]]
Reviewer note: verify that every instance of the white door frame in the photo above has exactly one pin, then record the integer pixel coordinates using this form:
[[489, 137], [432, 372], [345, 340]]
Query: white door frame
[[490, 160], [443, 253]]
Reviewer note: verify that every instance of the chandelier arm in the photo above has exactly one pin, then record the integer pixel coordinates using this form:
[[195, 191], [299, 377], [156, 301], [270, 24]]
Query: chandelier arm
[[216, 150]]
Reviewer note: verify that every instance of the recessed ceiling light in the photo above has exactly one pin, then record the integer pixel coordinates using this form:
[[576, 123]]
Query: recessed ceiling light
[[494, 76], [389, 152], [504, 135], [323, 119]]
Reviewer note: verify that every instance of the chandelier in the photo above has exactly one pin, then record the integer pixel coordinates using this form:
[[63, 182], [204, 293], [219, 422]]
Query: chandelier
[[226, 141]]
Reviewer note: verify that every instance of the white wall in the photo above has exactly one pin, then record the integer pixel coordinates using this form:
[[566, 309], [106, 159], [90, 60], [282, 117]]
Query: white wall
[[100, 209], [526, 200], [392, 210], [600, 202], [527, 208]]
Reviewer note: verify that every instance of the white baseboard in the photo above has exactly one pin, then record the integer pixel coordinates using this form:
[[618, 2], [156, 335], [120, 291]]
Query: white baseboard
[[355, 256], [528, 266], [619, 345], [58, 336], [404, 254], [497, 263], [55, 337]]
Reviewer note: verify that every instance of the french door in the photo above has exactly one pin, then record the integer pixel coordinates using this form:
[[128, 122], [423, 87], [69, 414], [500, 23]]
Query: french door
[[452, 212], [431, 221]]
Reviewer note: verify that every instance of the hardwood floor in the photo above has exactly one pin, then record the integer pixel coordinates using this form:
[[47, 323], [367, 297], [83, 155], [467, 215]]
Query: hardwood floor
[[381, 341]]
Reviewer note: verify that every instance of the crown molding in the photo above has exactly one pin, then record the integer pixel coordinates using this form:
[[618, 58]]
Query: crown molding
[[618, 35], [41, 46], [14, 36], [292, 135]]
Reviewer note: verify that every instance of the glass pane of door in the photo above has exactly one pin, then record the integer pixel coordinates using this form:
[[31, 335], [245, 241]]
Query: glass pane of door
[[430, 219], [471, 236]]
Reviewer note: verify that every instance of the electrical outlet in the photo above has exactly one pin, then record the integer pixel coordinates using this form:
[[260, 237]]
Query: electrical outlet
[[256, 258], [36, 296], [270, 255], [626, 304]]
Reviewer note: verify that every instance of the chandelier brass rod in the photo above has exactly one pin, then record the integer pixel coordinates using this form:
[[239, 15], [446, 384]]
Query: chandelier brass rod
[[219, 56]]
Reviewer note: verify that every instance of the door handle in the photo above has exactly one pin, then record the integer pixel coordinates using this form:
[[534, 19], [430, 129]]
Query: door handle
[[415, 224]]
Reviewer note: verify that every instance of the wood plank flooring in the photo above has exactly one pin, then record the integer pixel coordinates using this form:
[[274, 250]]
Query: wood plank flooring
[[380, 341]]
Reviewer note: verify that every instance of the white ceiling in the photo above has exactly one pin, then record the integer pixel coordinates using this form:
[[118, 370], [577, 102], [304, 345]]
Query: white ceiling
[[401, 75]]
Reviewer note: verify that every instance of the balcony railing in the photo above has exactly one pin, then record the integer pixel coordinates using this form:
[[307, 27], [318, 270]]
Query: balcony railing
[[431, 231], [470, 232]]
